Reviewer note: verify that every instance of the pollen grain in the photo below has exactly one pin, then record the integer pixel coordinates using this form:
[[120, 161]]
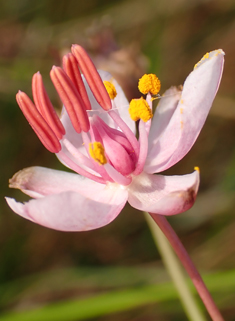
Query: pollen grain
[[139, 109], [110, 89], [97, 152], [149, 83]]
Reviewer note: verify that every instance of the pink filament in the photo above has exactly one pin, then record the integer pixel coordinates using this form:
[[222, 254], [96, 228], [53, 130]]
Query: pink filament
[[143, 140]]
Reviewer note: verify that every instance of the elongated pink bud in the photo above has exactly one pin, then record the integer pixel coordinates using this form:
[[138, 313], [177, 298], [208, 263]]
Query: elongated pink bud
[[44, 106], [92, 77], [37, 122], [71, 68], [71, 99]]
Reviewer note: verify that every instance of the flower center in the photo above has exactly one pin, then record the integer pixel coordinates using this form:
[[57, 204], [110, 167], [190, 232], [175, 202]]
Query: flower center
[[111, 144]]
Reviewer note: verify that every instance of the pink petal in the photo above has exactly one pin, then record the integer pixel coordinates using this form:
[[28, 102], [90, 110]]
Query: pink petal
[[168, 146], [165, 195], [71, 211], [40, 181], [164, 111]]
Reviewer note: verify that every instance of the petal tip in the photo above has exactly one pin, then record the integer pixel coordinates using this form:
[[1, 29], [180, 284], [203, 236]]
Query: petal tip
[[21, 178], [208, 56]]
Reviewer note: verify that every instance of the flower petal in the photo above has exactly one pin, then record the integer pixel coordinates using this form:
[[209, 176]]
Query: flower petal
[[165, 195], [167, 147], [71, 211], [40, 181]]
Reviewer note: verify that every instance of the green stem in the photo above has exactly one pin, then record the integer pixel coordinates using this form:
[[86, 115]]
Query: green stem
[[189, 266], [190, 305]]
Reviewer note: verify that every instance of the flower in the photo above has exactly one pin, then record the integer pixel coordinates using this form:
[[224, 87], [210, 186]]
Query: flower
[[95, 137]]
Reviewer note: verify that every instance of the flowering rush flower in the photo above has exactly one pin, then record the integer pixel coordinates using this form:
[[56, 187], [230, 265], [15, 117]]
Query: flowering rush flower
[[95, 137]]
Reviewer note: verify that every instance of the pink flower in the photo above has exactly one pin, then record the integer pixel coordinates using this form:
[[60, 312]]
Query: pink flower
[[95, 137]]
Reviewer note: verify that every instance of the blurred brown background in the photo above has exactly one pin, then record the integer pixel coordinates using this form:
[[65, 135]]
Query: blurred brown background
[[127, 38]]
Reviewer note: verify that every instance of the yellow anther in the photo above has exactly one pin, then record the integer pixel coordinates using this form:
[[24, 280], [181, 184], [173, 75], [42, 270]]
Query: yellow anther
[[110, 89], [139, 109], [96, 151], [196, 168], [149, 84]]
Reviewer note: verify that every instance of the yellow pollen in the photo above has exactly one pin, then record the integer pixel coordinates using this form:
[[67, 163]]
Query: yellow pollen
[[110, 89], [149, 84], [96, 151], [139, 109], [196, 168], [208, 56]]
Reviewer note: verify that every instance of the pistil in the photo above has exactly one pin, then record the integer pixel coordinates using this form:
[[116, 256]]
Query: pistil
[[38, 123], [71, 99], [70, 66], [92, 77], [45, 107]]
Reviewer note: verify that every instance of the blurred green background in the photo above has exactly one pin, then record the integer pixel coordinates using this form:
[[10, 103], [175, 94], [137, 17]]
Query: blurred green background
[[39, 266]]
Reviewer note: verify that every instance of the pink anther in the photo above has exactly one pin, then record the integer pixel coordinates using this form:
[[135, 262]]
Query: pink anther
[[92, 77], [71, 68], [45, 107], [71, 99], [37, 122]]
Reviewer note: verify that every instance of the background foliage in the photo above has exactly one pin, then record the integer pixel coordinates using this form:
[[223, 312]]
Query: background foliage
[[117, 264]]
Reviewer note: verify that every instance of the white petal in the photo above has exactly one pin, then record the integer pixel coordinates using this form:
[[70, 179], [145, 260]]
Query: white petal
[[180, 133], [40, 181], [165, 195], [70, 211]]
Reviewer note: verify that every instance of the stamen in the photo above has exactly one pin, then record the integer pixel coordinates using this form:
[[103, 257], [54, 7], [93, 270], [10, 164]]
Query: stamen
[[70, 98], [92, 77], [44, 106], [110, 89], [97, 152], [149, 83], [196, 168], [75, 152], [76, 168], [87, 140], [71, 68], [139, 109], [37, 122], [143, 140]]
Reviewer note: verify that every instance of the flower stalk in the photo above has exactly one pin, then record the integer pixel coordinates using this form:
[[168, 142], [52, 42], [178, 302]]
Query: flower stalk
[[189, 266], [176, 272]]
